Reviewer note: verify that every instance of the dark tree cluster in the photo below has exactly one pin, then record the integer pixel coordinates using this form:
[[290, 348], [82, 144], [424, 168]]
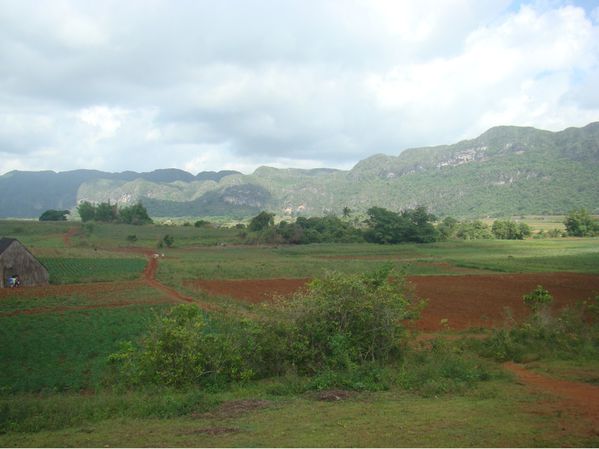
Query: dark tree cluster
[[54, 215], [110, 213], [412, 225], [384, 226]]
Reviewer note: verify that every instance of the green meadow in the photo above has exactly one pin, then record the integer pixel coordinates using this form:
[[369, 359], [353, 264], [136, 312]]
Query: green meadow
[[58, 386]]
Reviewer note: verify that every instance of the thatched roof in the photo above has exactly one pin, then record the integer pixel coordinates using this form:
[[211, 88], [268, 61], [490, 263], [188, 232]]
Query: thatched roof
[[5, 242]]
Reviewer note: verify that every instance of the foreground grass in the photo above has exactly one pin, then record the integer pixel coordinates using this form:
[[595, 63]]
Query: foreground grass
[[497, 414]]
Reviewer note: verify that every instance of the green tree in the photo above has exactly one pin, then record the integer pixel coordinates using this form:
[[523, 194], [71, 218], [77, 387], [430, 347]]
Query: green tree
[[447, 228], [106, 212], [54, 215], [168, 240], [473, 230], [580, 223], [510, 230], [262, 221], [136, 214], [87, 211], [412, 225]]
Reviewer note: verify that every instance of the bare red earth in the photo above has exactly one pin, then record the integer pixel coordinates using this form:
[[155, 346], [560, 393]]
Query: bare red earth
[[95, 289], [575, 398], [464, 301]]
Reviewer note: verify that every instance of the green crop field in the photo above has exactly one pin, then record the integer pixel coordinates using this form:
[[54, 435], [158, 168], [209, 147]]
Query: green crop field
[[58, 388], [64, 351], [70, 271]]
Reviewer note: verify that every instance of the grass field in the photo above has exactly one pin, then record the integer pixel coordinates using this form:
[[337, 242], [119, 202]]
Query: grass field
[[56, 387], [570, 255]]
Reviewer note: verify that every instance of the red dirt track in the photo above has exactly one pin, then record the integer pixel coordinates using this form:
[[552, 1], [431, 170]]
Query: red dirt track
[[576, 398], [465, 301]]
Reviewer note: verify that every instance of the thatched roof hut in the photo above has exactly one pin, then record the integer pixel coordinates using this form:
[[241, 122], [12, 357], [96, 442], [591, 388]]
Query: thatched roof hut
[[15, 259]]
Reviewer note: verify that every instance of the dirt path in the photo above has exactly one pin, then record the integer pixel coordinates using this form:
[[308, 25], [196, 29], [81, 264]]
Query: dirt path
[[577, 399], [149, 277], [67, 236]]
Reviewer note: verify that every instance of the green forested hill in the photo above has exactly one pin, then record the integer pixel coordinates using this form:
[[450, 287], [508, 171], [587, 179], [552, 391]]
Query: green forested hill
[[507, 170]]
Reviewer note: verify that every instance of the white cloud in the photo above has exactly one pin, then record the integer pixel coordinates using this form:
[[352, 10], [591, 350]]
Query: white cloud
[[207, 86], [105, 121], [515, 72]]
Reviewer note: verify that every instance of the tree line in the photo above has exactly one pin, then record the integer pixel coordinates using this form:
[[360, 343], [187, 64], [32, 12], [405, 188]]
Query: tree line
[[408, 226], [110, 213], [381, 226]]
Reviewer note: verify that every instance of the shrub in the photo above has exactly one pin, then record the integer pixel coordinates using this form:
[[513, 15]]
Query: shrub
[[346, 320], [537, 299], [179, 351], [168, 240], [573, 333], [342, 331]]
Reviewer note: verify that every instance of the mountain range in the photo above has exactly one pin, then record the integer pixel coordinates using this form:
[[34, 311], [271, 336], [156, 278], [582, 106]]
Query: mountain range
[[507, 170]]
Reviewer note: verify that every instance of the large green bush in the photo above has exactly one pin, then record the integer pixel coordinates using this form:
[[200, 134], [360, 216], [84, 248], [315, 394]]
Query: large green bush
[[341, 324], [345, 320]]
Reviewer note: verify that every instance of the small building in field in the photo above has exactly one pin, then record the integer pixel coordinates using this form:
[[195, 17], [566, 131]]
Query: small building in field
[[15, 259]]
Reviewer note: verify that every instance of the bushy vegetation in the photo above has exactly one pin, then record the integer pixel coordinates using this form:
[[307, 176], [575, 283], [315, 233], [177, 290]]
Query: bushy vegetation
[[510, 230], [388, 227], [342, 325], [451, 229], [110, 213], [382, 226], [329, 229], [411, 225], [572, 333], [580, 223], [54, 215]]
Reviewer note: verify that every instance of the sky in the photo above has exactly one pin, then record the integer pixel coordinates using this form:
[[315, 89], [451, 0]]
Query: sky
[[235, 84]]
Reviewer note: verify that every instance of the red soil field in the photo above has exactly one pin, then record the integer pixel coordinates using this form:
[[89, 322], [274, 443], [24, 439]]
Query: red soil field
[[90, 290], [464, 301]]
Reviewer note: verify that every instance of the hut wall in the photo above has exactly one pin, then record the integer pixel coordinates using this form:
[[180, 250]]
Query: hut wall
[[17, 260]]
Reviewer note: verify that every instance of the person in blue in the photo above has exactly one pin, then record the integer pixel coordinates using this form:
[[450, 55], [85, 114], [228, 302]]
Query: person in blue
[[11, 281]]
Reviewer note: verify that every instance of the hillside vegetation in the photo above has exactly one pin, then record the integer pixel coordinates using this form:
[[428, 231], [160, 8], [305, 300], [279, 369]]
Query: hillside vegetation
[[505, 171]]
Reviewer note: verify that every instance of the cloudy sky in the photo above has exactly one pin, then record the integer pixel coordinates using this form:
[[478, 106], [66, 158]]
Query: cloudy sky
[[235, 84]]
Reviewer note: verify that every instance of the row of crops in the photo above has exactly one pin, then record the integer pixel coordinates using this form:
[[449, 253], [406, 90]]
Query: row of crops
[[75, 270]]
